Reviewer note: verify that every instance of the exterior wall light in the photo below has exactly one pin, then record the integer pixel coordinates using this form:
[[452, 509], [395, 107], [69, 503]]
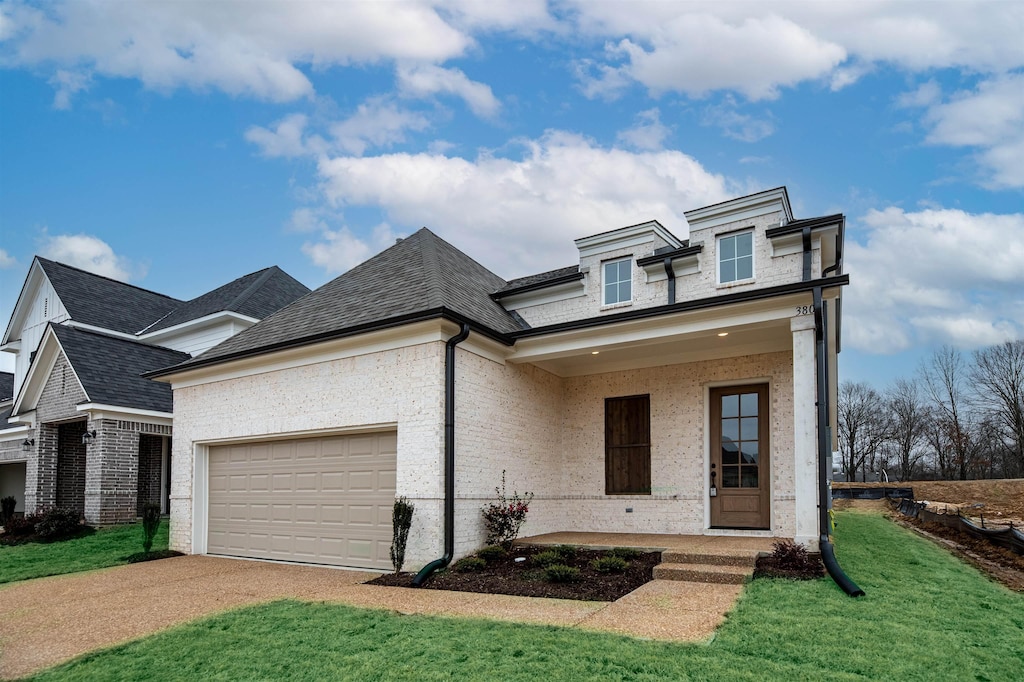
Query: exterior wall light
[[88, 436], [27, 444], [723, 333]]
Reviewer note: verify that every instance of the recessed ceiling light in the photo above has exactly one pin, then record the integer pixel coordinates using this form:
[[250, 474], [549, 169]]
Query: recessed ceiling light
[[594, 352], [723, 333]]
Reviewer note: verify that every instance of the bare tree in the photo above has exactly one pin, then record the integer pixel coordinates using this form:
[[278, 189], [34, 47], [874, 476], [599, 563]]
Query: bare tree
[[998, 377], [944, 378], [908, 421], [862, 426]]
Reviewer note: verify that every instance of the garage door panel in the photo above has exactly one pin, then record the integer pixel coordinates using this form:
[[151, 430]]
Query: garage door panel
[[325, 500]]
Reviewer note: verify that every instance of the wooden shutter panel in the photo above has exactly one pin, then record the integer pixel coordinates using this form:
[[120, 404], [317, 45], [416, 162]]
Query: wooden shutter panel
[[627, 439]]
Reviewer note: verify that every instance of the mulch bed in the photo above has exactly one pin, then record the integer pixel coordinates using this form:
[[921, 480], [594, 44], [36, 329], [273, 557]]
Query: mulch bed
[[152, 556], [526, 579], [770, 567]]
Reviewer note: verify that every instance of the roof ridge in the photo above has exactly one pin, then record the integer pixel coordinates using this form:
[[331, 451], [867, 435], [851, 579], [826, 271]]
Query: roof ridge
[[431, 267], [109, 279], [265, 274]]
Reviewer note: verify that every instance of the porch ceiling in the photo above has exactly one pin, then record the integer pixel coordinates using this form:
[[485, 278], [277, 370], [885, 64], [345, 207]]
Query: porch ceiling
[[762, 327]]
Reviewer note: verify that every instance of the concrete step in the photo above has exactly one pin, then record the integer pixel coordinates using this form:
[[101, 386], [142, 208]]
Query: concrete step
[[704, 573], [731, 557]]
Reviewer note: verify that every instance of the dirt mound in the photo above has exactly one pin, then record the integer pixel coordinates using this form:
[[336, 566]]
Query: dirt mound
[[1000, 501]]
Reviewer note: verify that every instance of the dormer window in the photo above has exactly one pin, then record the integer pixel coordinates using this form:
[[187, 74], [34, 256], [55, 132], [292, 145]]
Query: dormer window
[[618, 281], [736, 257]]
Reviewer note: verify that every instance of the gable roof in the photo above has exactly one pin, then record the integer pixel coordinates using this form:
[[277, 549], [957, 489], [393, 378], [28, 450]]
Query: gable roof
[[6, 387], [103, 302], [255, 295], [110, 368], [421, 275]]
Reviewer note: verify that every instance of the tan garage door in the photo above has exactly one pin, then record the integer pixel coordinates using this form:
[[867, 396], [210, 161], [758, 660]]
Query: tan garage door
[[317, 500]]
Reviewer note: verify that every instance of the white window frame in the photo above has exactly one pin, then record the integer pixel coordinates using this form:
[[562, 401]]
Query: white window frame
[[605, 282], [718, 258]]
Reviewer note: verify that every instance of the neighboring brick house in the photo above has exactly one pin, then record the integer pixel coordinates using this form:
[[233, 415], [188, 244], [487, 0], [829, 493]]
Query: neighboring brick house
[[82, 428], [659, 385]]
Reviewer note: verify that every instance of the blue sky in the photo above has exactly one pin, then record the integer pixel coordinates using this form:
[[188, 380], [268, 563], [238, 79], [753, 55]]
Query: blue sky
[[180, 145]]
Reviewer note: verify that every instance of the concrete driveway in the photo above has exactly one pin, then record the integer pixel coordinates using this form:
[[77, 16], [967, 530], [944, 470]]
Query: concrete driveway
[[47, 621]]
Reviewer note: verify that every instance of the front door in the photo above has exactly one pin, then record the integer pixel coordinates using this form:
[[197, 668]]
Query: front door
[[739, 457]]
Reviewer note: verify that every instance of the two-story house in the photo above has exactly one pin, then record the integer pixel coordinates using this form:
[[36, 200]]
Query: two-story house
[[82, 428], [660, 385]]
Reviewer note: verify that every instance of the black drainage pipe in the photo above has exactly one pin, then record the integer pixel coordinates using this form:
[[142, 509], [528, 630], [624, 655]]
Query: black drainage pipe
[[449, 459], [828, 555]]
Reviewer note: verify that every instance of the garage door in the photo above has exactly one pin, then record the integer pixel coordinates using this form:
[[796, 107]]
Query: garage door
[[316, 500]]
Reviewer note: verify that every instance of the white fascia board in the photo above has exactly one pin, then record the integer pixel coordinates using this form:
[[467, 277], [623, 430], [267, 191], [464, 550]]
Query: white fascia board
[[13, 433], [559, 292], [100, 411], [625, 237], [11, 346], [656, 329], [206, 321], [743, 208], [28, 290], [429, 331], [101, 330], [26, 419], [39, 372]]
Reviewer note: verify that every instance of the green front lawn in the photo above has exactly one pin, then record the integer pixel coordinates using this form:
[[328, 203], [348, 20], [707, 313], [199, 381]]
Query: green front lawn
[[105, 547], [926, 616]]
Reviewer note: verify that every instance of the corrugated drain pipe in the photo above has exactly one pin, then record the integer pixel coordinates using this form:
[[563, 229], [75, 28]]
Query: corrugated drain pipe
[[449, 459], [828, 554]]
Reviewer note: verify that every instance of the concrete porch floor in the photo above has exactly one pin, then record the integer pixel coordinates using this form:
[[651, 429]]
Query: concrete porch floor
[[725, 545]]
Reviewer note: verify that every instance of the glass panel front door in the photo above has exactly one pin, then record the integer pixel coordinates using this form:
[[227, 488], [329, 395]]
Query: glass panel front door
[[739, 457]]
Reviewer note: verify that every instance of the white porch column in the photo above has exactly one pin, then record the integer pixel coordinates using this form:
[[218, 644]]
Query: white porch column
[[805, 435]]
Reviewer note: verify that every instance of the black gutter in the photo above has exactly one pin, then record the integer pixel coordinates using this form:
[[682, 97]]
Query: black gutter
[[828, 555], [671, 274], [685, 306], [675, 253], [798, 225], [806, 235], [449, 459], [376, 325], [543, 284]]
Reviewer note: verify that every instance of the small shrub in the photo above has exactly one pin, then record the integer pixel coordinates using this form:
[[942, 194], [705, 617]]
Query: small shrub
[[401, 521], [7, 506], [470, 564], [150, 525], [791, 556], [17, 529], [58, 523], [504, 518], [609, 564], [492, 553], [560, 573], [567, 552], [626, 552], [548, 558]]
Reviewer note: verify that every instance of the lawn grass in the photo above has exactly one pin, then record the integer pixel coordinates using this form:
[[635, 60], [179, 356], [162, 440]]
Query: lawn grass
[[105, 547], [926, 616]]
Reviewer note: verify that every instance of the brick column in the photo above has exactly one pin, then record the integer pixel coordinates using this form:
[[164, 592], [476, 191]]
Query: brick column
[[805, 432], [41, 471], [111, 473]]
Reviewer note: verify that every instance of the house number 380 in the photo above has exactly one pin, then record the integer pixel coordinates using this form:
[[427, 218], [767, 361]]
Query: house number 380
[[805, 310]]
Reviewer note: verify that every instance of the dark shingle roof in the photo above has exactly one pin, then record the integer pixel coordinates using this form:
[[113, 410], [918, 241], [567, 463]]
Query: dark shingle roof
[[538, 280], [103, 302], [110, 368], [6, 387], [4, 414], [419, 274], [256, 295]]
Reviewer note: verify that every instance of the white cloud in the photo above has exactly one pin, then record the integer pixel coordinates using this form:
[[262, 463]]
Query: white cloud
[[742, 127], [285, 140], [990, 118], [89, 253], [934, 276], [924, 95], [424, 80], [520, 215], [252, 49], [339, 250], [755, 49], [376, 123], [6, 260], [648, 134], [67, 83]]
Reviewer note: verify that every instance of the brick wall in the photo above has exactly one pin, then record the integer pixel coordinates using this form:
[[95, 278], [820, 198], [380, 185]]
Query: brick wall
[[150, 462], [71, 457], [61, 394], [112, 472]]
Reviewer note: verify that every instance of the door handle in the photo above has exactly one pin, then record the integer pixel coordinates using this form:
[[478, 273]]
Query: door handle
[[713, 491]]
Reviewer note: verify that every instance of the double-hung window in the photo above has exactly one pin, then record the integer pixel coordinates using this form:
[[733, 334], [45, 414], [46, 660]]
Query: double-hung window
[[618, 281], [736, 257]]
